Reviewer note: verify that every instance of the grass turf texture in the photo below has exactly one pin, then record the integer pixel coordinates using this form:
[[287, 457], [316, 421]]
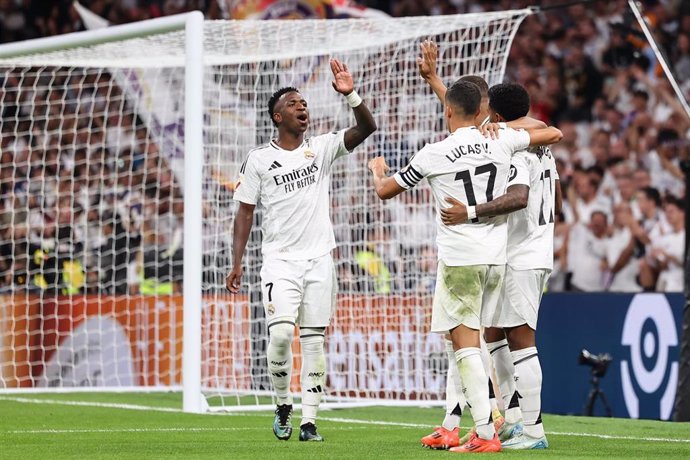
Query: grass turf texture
[[50, 430]]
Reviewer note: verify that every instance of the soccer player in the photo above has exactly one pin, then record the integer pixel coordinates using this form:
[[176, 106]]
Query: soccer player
[[533, 198], [291, 177], [471, 168], [447, 435]]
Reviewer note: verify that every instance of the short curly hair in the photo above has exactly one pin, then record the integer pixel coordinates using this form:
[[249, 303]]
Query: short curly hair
[[509, 100], [274, 100]]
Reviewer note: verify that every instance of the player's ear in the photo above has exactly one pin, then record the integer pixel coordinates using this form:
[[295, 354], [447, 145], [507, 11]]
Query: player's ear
[[277, 118], [448, 111]]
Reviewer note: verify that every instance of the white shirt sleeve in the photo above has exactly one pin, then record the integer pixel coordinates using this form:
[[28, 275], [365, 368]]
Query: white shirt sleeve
[[519, 169], [516, 139], [415, 171], [332, 145], [248, 186]]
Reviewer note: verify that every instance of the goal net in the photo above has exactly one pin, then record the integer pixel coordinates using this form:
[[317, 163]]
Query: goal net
[[94, 199]]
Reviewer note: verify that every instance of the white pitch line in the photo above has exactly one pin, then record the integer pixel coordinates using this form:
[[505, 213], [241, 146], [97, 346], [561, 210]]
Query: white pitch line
[[607, 436], [328, 419], [90, 404], [159, 430]]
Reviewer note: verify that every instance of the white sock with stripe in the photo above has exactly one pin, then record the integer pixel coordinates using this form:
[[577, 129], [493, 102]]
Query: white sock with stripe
[[505, 374], [279, 356], [476, 389], [313, 378], [455, 401], [528, 383]]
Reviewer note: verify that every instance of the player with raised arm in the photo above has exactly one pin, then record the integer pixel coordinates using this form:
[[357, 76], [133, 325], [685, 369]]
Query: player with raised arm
[[446, 435], [290, 176], [529, 262], [471, 168]]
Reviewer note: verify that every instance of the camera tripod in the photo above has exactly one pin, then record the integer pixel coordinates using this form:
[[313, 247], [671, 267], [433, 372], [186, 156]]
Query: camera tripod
[[595, 392]]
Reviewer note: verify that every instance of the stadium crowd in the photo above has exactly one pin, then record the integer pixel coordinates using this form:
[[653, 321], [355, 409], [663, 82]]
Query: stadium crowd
[[587, 68]]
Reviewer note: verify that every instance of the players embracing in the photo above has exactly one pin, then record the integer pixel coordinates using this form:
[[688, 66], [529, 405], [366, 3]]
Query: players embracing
[[468, 168]]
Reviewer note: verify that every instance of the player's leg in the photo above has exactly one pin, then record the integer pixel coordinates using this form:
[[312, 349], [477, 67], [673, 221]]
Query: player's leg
[[314, 316], [497, 345], [447, 435], [525, 356], [457, 306], [281, 297]]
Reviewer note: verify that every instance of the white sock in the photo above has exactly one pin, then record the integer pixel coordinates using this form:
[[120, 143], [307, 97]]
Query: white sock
[[455, 401], [313, 379], [486, 362], [476, 390], [279, 356], [505, 374], [528, 371]]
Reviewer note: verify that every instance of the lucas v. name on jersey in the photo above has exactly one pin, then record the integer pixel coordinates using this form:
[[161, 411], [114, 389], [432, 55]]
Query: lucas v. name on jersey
[[297, 178], [462, 150]]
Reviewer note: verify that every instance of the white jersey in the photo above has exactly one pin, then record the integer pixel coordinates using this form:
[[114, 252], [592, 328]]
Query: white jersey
[[293, 187], [472, 169], [530, 230]]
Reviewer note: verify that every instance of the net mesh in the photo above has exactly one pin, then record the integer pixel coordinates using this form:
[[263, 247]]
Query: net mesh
[[92, 204]]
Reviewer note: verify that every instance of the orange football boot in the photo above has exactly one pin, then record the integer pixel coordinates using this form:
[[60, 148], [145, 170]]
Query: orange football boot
[[442, 438], [477, 444]]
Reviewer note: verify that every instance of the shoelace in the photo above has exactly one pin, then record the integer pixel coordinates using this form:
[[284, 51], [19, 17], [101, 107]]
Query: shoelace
[[284, 415]]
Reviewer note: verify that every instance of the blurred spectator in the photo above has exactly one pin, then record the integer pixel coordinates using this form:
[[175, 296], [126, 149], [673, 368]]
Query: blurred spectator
[[662, 269], [622, 265], [586, 249]]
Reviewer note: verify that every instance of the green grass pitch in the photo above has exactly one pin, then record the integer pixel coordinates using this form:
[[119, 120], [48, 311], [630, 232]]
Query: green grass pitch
[[54, 426]]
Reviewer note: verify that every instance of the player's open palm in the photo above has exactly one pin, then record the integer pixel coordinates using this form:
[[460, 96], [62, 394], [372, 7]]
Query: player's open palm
[[342, 79], [427, 61], [233, 280]]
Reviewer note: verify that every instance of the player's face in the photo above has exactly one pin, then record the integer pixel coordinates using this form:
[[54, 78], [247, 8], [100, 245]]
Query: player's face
[[294, 115]]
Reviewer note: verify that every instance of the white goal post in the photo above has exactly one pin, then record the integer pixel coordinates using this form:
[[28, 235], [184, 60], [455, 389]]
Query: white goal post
[[119, 154]]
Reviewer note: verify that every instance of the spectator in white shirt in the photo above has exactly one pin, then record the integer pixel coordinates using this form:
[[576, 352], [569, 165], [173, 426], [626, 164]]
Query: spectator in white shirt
[[584, 197], [586, 249], [620, 252], [668, 250]]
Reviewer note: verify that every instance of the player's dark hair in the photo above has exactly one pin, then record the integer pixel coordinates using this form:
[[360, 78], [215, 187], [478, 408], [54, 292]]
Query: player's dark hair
[[480, 82], [464, 95], [652, 194], [509, 100], [274, 99]]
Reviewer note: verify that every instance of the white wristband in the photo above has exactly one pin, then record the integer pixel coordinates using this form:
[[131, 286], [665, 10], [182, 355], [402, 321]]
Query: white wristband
[[353, 99], [471, 213]]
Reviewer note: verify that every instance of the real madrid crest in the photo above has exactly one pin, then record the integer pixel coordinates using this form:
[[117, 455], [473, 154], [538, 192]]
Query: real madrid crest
[[271, 309], [308, 154]]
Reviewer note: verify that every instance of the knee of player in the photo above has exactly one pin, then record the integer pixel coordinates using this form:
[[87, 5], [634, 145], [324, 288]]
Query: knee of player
[[281, 334]]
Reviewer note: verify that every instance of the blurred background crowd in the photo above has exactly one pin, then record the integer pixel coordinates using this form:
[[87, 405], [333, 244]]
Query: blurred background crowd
[[588, 69]]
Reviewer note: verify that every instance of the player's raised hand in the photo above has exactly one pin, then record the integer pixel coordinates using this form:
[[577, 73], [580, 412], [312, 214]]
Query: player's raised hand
[[427, 61], [342, 79], [378, 165], [456, 214], [232, 282]]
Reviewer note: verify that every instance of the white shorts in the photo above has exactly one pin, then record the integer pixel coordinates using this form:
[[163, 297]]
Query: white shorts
[[520, 298], [462, 293], [301, 292]]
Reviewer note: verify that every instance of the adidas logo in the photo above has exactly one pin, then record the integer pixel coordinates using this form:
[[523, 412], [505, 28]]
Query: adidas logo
[[280, 374], [275, 165], [316, 389]]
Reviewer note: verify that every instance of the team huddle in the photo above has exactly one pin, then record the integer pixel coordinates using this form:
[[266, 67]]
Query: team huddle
[[496, 189]]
